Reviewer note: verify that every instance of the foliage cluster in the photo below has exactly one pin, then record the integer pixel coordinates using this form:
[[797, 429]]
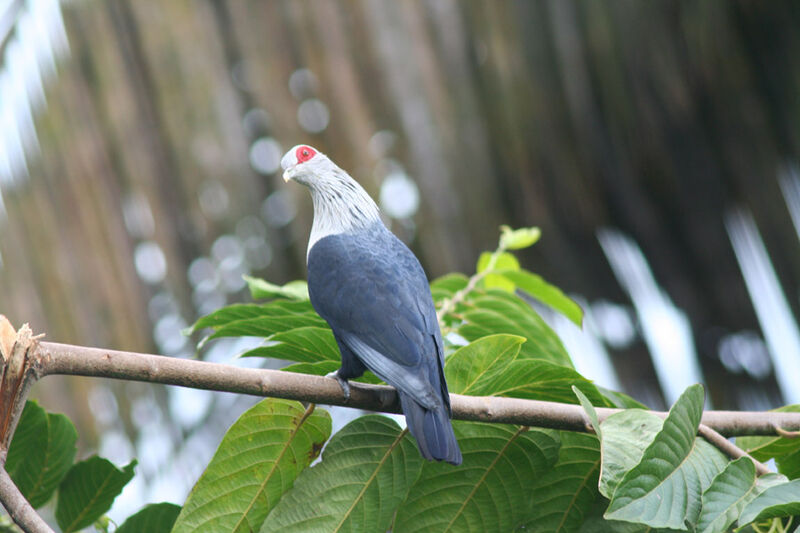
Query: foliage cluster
[[279, 468]]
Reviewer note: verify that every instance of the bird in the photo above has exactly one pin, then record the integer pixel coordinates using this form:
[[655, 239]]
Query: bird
[[373, 293]]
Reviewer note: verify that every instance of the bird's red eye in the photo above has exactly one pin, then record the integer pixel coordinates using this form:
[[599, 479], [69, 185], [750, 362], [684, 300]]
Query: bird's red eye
[[304, 153]]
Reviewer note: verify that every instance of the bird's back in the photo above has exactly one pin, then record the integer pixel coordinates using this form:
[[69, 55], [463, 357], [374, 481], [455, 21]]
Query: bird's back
[[374, 294]]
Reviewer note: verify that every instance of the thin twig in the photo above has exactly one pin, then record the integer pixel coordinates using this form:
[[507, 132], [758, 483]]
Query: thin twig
[[449, 304], [18, 507], [52, 358], [788, 434], [729, 448]]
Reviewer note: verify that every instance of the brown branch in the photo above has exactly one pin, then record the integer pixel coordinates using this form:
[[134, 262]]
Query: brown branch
[[729, 448], [52, 358], [18, 507]]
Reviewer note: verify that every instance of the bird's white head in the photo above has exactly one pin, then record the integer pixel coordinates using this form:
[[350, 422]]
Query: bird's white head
[[340, 203], [302, 163]]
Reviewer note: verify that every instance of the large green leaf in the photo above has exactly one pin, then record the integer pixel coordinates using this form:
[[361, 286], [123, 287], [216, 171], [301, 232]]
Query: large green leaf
[[620, 400], [310, 344], [775, 502], [625, 436], [490, 491], [470, 363], [323, 368], [319, 368], [534, 379], [564, 496], [543, 291], [495, 311], [447, 286], [727, 495], [153, 518], [496, 261], [493, 366], [228, 314], [41, 453], [261, 289], [232, 313], [366, 471], [258, 460], [88, 490], [264, 326], [595, 523], [665, 488]]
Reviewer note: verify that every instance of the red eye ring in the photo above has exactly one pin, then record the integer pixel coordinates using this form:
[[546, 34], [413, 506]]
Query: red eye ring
[[304, 153]]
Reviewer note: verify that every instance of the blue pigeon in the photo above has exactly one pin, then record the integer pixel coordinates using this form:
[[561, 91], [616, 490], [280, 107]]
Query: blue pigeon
[[374, 294]]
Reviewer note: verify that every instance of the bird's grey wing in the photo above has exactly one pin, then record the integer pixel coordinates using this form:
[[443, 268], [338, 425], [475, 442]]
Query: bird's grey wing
[[375, 296]]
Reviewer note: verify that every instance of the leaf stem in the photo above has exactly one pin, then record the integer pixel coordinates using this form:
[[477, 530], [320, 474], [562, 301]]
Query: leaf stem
[[449, 304]]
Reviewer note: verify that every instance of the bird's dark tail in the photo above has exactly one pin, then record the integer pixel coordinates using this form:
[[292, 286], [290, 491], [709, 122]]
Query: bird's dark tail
[[432, 429]]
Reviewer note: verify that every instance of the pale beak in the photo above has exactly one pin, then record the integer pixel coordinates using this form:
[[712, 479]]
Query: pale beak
[[288, 163]]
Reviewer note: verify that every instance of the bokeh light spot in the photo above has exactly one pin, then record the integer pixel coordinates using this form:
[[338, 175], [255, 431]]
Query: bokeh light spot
[[313, 115]]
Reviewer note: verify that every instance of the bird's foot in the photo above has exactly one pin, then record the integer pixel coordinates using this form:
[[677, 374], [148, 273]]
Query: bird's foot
[[342, 383]]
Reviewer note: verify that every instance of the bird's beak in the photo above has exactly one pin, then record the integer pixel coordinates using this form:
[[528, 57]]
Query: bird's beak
[[288, 163]]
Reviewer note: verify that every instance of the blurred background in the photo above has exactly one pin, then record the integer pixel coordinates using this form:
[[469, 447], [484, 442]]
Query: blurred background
[[655, 143]]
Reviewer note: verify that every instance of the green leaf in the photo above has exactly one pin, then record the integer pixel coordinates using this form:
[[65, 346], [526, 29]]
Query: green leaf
[[495, 311], [310, 344], [546, 293], [765, 448], [264, 326], [232, 313], [320, 368], [446, 286], [41, 453], [365, 473], [565, 495], [492, 366], [261, 289], [490, 491], [258, 460], [28, 444], [88, 490], [775, 502], [664, 489], [532, 379], [724, 499], [153, 518], [785, 451], [620, 400], [625, 437], [589, 410], [227, 314], [323, 368], [471, 363], [497, 261], [595, 523], [516, 239]]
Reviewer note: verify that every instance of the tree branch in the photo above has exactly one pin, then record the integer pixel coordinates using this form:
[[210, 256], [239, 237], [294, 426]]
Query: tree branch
[[52, 358], [729, 449], [18, 507]]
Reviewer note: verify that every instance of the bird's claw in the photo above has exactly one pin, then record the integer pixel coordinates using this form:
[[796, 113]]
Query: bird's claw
[[342, 383]]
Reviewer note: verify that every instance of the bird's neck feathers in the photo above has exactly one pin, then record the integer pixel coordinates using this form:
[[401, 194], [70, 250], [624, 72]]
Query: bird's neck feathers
[[341, 205]]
